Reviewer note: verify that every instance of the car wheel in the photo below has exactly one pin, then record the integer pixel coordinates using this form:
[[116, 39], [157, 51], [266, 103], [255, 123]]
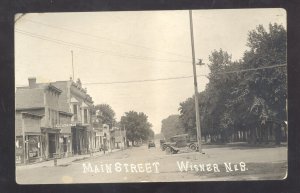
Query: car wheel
[[193, 147], [168, 150]]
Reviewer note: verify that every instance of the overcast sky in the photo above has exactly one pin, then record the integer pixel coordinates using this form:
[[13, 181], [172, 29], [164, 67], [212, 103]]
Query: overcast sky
[[128, 46]]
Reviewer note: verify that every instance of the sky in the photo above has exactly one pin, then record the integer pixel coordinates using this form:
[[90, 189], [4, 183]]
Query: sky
[[110, 47]]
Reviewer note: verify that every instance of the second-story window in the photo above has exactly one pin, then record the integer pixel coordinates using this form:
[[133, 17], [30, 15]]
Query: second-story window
[[85, 115], [49, 113], [75, 109]]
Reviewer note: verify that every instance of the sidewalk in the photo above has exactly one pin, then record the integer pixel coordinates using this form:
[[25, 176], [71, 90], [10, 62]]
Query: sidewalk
[[64, 161]]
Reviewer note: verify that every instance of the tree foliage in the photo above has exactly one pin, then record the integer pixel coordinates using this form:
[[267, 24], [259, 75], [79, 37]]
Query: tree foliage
[[171, 126], [105, 114], [236, 100], [137, 126]]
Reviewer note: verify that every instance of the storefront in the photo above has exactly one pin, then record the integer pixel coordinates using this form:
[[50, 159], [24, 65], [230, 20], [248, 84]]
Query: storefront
[[50, 142], [79, 140], [32, 150], [65, 136], [98, 140], [65, 145], [28, 139]]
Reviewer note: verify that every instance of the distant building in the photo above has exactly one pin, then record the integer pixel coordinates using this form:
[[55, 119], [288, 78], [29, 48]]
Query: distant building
[[42, 127], [112, 138], [118, 138]]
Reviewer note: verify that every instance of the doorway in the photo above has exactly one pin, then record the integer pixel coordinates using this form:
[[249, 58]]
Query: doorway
[[65, 144], [52, 144]]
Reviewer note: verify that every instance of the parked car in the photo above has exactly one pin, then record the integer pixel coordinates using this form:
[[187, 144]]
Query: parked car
[[151, 144], [161, 144], [179, 142]]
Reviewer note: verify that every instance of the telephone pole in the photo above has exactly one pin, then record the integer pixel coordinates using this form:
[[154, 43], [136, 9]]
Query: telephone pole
[[195, 85]]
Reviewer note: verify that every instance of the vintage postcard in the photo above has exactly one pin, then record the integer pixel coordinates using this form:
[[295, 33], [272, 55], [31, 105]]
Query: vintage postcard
[[151, 96]]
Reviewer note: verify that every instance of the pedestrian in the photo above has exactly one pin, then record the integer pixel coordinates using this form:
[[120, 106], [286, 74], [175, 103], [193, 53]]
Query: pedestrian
[[104, 148]]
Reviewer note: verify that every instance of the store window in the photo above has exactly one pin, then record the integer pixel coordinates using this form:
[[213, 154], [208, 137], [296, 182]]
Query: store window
[[34, 146]]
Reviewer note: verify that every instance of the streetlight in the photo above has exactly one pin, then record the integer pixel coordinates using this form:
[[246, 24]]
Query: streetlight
[[195, 85]]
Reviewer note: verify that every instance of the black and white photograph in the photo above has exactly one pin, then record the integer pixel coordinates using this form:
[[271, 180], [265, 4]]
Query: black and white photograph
[[151, 96]]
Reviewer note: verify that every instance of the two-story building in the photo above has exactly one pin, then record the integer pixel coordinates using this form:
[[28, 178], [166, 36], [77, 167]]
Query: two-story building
[[75, 100], [40, 123]]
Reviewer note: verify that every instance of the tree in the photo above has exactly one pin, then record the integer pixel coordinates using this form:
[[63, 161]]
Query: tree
[[137, 126], [215, 117], [105, 114], [244, 101], [187, 115], [171, 126], [264, 91]]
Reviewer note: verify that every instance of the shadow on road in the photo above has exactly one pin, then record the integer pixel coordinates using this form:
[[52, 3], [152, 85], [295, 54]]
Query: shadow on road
[[243, 145]]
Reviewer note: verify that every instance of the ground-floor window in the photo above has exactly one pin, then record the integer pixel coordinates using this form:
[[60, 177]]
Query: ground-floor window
[[32, 151], [34, 146]]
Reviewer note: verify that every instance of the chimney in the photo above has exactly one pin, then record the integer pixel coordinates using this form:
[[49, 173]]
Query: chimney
[[32, 82]]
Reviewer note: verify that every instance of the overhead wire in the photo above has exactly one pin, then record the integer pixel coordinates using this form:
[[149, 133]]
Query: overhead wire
[[180, 77], [134, 57], [105, 38], [138, 81], [88, 48], [185, 77], [252, 69]]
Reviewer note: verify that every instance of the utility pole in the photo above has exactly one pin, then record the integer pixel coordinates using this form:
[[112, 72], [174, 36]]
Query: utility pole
[[195, 85], [72, 66]]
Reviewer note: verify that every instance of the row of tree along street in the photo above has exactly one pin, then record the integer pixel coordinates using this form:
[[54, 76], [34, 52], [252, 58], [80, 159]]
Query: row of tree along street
[[245, 100], [136, 124]]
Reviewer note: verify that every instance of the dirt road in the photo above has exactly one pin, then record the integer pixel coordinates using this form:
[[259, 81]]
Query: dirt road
[[140, 164]]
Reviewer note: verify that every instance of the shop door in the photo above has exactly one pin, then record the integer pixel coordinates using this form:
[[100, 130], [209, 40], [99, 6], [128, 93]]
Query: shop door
[[65, 144], [52, 146], [74, 140]]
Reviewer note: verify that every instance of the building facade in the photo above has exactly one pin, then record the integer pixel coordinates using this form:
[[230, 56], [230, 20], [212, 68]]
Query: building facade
[[28, 138], [109, 138], [75, 100], [118, 138], [38, 110]]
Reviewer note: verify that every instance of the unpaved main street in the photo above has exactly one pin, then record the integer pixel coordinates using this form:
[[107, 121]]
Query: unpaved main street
[[140, 164]]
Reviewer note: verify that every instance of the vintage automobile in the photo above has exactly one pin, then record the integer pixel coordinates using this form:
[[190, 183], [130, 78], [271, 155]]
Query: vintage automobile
[[161, 144], [179, 142], [151, 144]]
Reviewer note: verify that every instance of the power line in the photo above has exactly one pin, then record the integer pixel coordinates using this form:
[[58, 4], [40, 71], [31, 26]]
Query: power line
[[137, 81], [179, 77], [184, 77], [252, 69], [88, 48], [104, 38]]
